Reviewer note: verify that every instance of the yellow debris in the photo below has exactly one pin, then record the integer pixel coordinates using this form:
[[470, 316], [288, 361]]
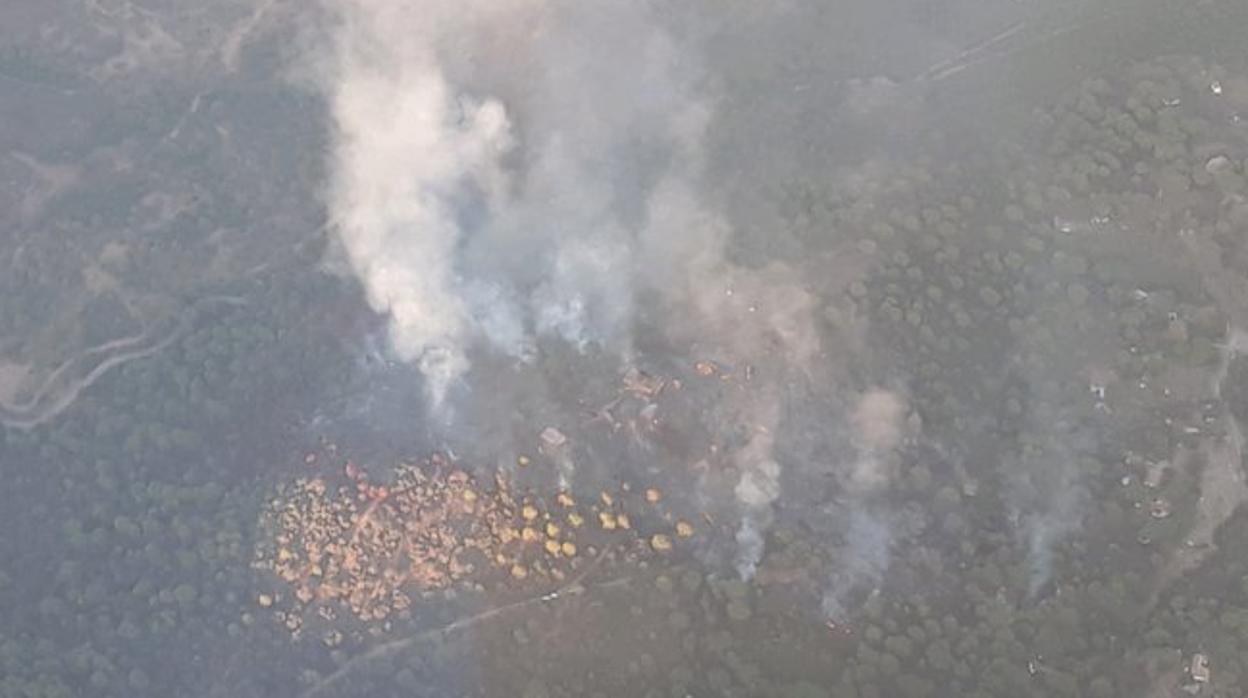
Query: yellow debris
[[684, 529], [523, 461], [660, 543], [358, 547]]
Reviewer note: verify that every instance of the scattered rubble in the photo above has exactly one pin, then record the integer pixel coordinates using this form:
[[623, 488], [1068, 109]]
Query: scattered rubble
[[553, 439], [340, 541], [1199, 668], [641, 384], [1159, 508]]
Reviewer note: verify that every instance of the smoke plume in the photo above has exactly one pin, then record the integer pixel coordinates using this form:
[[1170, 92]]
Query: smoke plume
[[482, 221], [1045, 493]]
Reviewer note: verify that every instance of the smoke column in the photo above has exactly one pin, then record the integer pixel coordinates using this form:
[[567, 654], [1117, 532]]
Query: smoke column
[[479, 222], [406, 145]]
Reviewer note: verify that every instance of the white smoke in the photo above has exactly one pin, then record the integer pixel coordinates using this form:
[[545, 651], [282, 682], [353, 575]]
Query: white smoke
[[480, 220], [405, 144], [880, 424]]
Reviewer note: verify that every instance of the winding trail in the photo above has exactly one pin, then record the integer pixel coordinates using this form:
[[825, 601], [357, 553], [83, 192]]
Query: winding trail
[[66, 383]]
